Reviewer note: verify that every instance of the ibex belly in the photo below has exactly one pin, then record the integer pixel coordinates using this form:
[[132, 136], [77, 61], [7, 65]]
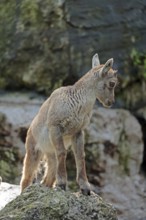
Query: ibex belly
[[44, 143], [69, 126]]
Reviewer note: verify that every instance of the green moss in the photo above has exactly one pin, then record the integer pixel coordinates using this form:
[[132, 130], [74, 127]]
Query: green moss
[[7, 24], [124, 154], [131, 92], [9, 163], [31, 15], [138, 60], [29, 53], [38, 202]]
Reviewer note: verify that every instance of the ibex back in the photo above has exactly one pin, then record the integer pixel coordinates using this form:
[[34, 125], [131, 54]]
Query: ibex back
[[60, 123]]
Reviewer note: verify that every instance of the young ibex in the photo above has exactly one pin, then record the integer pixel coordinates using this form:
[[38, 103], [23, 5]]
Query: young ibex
[[60, 123]]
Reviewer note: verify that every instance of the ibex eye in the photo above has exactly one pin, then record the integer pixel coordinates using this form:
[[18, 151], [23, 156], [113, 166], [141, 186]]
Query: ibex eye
[[112, 84]]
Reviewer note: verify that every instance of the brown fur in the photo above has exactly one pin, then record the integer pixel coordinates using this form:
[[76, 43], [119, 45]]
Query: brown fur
[[60, 123]]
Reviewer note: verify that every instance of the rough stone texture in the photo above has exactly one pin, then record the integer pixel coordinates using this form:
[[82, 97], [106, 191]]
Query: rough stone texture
[[114, 142], [128, 195], [114, 151], [33, 46], [46, 43], [9, 153], [141, 114], [41, 203]]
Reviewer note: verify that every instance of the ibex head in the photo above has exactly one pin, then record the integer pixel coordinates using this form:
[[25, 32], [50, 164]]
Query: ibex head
[[106, 80]]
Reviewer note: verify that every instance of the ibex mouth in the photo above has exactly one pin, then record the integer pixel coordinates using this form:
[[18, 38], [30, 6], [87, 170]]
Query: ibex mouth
[[108, 103]]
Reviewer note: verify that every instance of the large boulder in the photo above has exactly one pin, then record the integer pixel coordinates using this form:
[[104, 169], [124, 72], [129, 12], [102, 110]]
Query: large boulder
[[114, 142], [114, 151], [41, 203]]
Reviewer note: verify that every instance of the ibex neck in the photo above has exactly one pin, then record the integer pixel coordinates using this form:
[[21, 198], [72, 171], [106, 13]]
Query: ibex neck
[[86, 88]]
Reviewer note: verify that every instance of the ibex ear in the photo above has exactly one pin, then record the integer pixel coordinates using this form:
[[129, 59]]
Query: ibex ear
[[95, 61], [106, 67]]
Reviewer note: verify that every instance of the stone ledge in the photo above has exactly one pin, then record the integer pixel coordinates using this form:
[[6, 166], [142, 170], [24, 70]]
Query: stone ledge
[[38, 202]]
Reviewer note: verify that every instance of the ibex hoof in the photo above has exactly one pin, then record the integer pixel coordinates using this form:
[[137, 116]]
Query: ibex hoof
[[86, 192], [34, 180]]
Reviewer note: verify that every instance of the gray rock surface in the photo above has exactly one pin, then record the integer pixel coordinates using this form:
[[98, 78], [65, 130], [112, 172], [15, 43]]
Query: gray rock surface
[[114, 142], [114, 151], [38, 202], [128, 195], [46, 43]]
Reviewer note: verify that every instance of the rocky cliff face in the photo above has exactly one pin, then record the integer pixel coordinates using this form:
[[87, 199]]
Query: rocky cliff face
[[46, 44]]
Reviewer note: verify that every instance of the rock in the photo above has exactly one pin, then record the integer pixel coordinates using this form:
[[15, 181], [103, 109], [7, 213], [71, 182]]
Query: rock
[[114, 152], [16, 113], [46, 44], [9, 153], [114, 142], [34, 44], [132, 88], [38, 202], [141, 115], [142, 112], [8, 192], [128, 195]]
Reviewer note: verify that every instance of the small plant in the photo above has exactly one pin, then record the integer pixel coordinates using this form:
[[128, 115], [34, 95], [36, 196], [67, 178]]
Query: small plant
[[138, 60]]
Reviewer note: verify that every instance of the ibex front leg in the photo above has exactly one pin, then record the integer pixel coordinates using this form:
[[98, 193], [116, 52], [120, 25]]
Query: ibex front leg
[[78, 149], [57, 140]]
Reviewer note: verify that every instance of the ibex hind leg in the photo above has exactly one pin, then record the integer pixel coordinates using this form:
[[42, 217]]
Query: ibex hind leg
[[50, 172], [31, 162]]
